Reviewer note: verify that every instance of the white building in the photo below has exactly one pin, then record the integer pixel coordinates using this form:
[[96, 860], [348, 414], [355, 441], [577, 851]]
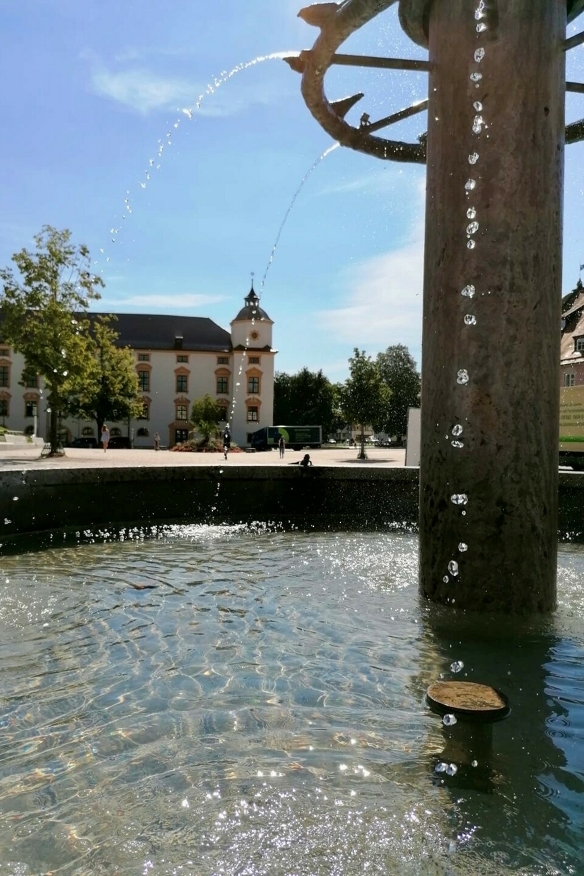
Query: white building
[[178, 359]]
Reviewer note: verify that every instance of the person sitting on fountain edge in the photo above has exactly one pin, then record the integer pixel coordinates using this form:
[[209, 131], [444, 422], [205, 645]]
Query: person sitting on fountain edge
[[304, 462]]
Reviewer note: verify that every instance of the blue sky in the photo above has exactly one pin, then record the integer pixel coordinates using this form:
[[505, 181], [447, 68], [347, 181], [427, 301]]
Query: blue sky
[[178, 204]]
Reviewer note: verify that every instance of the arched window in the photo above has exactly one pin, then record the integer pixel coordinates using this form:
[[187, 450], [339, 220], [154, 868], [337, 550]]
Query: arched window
[[115, 432], [87, 432], [143, 432]]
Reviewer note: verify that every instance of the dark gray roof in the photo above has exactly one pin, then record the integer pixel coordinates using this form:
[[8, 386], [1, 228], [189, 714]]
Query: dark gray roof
[[151, 331], [252, 309]]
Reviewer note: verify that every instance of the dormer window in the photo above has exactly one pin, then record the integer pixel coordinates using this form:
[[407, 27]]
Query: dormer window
[[579, 344]]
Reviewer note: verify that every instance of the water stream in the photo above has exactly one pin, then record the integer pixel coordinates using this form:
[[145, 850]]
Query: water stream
[[235, 700]]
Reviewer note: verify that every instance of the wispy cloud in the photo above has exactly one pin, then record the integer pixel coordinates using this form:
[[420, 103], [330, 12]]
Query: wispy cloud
[[162, 303], [145, 91]]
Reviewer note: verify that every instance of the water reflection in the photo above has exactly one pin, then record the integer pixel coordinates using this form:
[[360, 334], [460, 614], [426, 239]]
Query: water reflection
[[219, 698]]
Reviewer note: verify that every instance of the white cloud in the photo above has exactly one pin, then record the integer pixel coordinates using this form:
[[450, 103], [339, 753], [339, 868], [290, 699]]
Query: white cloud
[[384, 305], [142, 90], [163, 303]]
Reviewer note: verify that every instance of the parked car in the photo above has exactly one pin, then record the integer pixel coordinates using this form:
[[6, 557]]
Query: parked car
[[119, 442], [83, 442]]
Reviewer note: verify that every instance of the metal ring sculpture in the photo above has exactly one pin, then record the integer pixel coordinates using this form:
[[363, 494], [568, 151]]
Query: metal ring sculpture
[[337, 21]]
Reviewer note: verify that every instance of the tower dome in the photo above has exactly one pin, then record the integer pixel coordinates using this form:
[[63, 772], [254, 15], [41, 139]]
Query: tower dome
[[251, 309]]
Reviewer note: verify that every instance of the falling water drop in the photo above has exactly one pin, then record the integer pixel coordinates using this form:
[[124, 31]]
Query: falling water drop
[[446, 579], [477, 125], [462, 547], [477, 105], [474, 763], [449, 720], [459, 499], [480, 9], [479, 55], [453, 567], [468, 291], [473, 158], [441, 767], [470, 244], [481, 28], [457, 430], [458, 445], [451, 769], [470, 184], [457, 666], [472, 228], [462, 376], [471, 213], [475, 77], [470, 319]]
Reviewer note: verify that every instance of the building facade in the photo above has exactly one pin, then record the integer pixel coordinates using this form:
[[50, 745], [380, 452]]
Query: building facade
[[572, 339], [178, 359]]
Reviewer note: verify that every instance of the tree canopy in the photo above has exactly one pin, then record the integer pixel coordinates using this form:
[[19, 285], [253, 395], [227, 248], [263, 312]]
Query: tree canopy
[[398, 371], [108, 388], [307, 398], [206, 415], [365, 398], [43, 314]]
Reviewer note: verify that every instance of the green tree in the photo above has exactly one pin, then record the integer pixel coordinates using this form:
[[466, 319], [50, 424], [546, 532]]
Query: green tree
[[305, 399], [398, 370], [43, 315], [108, 389], [365, 398], [206, 415]]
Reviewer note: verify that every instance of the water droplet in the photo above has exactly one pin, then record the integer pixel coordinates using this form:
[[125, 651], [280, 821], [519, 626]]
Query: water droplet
[[477, 125], [472, 228], [462, 547], [453, 567], [459, 499], [457, 430], [449, 720], [451, 769], [473, 158], [457, 666], [441, 767], [479, 10], [471, 213], [477, 105], [475, 77], [468, 291], [474, 763], [446, 579], [470, 244], [462, 376], [479, 55], [470, 184], [457, 444], [481, 28], [15, 498], [470, 319]]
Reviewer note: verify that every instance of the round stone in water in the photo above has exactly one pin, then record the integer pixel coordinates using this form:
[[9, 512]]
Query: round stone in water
[[472, 228], [468, 291], [476, 77], [457, 666], [462, 376], [470, 319], [479, 55], [449, 720], [451, 769], [470, 244], [470, 184], [473, 158], [457, 430], [477, 105]]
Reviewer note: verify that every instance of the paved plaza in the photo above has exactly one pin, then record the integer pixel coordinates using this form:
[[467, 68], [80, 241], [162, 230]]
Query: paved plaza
[[25, 457]]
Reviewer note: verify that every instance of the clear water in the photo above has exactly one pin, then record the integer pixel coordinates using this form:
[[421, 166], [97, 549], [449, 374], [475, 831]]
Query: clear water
[[257, 707]]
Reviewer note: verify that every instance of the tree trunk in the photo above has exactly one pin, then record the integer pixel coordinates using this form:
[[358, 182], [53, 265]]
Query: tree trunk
[[492, 293], [362, 454]]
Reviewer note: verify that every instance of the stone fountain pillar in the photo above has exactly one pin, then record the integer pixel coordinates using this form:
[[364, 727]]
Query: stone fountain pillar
[[492, 293]]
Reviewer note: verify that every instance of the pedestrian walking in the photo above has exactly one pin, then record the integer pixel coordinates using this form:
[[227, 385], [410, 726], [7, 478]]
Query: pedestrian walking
[[105, 437], [282, 446], [156, 441]]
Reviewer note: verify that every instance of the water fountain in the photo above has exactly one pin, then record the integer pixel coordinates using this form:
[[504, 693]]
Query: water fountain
[[490, 375]]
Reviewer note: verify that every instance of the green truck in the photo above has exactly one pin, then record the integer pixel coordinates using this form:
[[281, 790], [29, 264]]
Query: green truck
[[296, 437], [572, 427]]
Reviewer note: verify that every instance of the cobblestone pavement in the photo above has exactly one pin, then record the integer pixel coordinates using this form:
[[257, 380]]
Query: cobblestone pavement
[[29, 458]]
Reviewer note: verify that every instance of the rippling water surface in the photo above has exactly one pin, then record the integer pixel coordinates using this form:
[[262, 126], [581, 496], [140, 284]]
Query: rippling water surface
[[224, 700]]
